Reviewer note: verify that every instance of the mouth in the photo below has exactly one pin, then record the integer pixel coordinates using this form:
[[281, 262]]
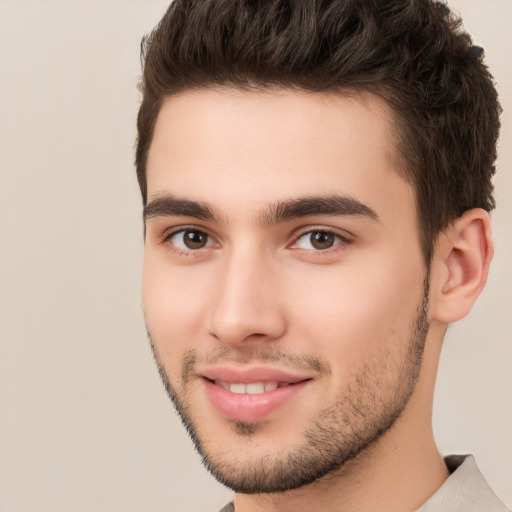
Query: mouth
[[252, 395], [251, 388]]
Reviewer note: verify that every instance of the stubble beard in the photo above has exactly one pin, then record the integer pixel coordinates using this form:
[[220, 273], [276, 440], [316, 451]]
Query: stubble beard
[[369, 407]]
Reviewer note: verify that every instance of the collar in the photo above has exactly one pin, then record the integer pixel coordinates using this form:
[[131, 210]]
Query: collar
[[465, 489]]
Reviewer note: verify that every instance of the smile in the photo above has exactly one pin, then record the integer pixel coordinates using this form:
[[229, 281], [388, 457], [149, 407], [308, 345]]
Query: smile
[[252, 388], [239, 397]]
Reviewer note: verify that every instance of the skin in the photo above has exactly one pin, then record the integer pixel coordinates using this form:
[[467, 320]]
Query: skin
[[260, 293]]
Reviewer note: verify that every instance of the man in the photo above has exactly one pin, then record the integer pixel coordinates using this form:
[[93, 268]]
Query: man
[[316, 179]]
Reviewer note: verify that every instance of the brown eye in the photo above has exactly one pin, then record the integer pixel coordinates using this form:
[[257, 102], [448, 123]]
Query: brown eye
[[322, 240], [190, 239], [318, 240]]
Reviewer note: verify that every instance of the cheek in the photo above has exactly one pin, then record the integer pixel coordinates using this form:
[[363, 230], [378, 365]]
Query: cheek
[[350, 313], [172, 309]]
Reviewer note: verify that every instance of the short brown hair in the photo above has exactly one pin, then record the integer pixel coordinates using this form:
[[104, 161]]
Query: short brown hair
[[412, 53]]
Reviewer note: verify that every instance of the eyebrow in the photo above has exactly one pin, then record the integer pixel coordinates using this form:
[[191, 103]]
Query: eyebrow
[[169, 205], [333, 205]]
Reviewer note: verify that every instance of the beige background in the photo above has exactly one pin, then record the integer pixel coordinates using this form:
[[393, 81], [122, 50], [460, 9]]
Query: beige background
[[84, 422]]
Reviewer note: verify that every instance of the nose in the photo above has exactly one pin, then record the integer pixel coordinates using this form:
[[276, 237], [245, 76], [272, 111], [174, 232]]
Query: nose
[[247, 306]]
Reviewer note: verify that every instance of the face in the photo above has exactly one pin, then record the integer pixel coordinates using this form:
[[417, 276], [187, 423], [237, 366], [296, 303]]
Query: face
[[283, 282]]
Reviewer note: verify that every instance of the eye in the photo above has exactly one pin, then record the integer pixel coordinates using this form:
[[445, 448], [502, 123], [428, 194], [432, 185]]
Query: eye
[[318, 240], [190, 239]]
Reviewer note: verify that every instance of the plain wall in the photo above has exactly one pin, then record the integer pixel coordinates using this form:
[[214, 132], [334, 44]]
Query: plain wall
[[85, 424]]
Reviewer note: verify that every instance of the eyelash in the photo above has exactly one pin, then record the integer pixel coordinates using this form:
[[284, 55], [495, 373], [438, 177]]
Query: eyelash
[[184, 229], [341, 240]]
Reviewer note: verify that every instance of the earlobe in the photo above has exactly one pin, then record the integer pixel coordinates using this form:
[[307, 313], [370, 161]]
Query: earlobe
[[460, 266]]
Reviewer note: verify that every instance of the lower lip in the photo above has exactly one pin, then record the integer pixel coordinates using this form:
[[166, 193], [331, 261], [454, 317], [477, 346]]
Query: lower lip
[[246, 407]]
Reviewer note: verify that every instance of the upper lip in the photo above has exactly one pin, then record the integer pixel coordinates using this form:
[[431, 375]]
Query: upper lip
[[250, 374]]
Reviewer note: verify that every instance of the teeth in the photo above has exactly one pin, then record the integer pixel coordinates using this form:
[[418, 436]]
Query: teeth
[[222, 384], [270, 386], [237, 388], [253, 388]]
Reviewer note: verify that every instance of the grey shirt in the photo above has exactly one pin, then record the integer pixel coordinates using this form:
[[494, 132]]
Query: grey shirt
[[465, 490]]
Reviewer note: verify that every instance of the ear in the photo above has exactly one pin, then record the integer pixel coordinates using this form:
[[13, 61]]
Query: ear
[[460, 266]]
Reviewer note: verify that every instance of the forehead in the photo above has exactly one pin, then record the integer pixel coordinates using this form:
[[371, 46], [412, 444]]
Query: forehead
[[239, 148]]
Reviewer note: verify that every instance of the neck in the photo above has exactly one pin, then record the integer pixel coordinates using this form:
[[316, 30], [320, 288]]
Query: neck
[[397, 482]]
